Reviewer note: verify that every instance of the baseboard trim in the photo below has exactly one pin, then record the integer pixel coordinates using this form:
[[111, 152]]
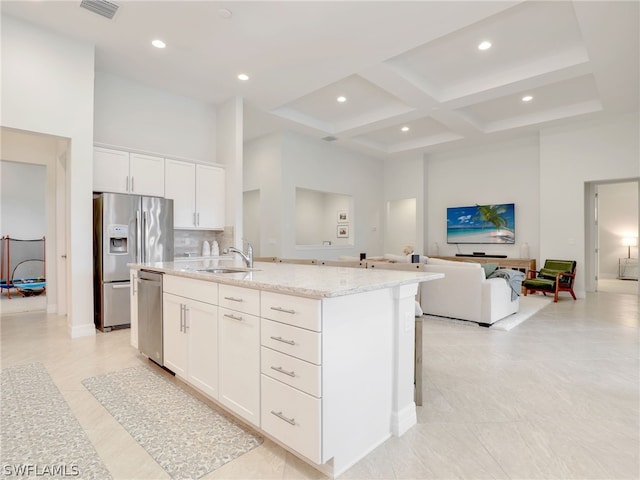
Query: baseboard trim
[[85, 330]]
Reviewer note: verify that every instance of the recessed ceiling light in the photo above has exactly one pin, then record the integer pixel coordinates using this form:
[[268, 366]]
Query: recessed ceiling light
[[527, 98], [484, 45], [243, 76], [158, 44], [405, 129], [342, 99]]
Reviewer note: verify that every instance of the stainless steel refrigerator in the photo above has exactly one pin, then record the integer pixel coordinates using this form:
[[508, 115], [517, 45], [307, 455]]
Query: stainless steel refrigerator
[[127, 229]]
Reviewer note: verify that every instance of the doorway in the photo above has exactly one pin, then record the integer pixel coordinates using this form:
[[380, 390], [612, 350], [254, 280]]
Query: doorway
[[48, 155], [613, 236]]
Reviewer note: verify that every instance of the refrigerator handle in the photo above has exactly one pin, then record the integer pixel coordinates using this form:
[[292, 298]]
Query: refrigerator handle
[[138, 238], [144, 245]]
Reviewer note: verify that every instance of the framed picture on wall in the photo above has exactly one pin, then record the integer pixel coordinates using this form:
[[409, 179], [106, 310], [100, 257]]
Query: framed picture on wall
[[343, 231], [343, 216]]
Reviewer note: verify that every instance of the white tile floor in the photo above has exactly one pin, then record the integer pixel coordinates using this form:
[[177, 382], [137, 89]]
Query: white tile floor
[[556, 397]]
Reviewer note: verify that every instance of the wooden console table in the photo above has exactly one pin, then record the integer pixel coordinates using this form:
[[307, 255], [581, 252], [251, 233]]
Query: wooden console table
[[525, 265]]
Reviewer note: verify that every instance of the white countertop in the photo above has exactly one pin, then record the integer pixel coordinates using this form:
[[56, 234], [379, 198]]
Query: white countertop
[[315, 281]]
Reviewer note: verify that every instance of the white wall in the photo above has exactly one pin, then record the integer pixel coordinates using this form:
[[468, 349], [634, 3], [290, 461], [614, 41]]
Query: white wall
[[47, 87], [23, 200], [263, 171], [318, 165], [400, 229], [505, 172], [617, 219], [404, 179], [229, 152], [132, 115], [570, 156], [277, 164]]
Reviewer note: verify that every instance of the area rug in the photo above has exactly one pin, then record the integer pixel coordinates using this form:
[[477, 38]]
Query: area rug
[[185, 436], [529, 306], [39, 434]]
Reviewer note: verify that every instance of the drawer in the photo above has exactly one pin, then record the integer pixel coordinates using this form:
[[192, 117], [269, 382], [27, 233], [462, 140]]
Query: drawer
[[241, 299], [293, 417], [302, 375], [297, 311], [200, 290], [294, 341]]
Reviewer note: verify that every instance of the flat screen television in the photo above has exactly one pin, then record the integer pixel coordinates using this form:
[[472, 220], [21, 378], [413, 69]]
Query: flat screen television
[[481, 224]]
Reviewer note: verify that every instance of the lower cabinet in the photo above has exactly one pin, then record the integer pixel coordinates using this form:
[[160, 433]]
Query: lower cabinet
[[191, 341], [293, 417], [239, 349]]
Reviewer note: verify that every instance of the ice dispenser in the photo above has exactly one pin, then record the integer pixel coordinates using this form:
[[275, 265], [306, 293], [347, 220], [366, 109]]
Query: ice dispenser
[[118, 239]]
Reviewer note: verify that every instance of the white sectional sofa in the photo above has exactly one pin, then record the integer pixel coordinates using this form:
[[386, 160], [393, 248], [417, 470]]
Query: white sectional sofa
[[464, 293]]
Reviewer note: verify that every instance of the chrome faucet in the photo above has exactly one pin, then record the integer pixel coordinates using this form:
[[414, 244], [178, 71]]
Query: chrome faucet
[[247, 257]]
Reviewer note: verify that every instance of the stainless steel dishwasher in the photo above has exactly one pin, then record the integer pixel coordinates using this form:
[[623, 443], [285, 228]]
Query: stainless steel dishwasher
[[150, 315]]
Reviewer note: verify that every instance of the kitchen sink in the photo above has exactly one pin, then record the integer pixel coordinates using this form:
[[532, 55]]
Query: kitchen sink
[[220, 270]]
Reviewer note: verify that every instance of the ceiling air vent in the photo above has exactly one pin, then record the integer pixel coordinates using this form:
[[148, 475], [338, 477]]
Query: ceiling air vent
[[330, 138], [101, 7]]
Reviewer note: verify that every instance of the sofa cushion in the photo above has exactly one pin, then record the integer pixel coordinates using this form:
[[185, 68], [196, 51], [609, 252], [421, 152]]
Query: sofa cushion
[[440, 261]]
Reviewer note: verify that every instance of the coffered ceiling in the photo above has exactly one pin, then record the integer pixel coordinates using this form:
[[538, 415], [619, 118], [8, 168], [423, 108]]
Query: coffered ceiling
[[398, 64]]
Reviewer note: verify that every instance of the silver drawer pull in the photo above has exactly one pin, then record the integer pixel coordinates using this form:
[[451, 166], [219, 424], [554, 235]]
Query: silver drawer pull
[[282, 370], [233, 317], [284, 310], [291, 421], [280, 339], [233, 299]]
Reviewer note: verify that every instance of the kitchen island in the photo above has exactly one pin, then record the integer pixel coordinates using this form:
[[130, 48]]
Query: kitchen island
[[318, 358]]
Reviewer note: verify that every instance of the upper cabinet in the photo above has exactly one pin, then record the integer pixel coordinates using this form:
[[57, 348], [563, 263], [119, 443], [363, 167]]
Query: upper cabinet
[[118, 171], [198, 193]]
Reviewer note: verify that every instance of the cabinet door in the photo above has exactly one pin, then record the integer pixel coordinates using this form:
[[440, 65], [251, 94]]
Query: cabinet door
[[210, 195], [174, 338], [147, 175], [239, 346], [110, 170], [202, 327], [133, 280], [180, 186]]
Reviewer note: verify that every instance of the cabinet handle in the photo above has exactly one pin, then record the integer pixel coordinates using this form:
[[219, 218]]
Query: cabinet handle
[[291, 421], [233, 299], [282, 370], [284, 310], [126, 183], [186, 317], [198, 218], [132, 187], [233, 317], [194, 220], [280, 339], [182, 308]]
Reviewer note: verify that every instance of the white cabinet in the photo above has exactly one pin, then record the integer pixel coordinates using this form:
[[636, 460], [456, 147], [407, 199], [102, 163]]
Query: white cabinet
[[239, 346], [119, 171], [174, 337], [198, 194], [110, 170], [146, 175], [291, 380], [133, 279], [190, 335]]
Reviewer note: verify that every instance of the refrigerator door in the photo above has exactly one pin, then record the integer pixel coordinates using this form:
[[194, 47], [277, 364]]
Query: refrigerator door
[[116, 305], [116, 235], [156, 229]]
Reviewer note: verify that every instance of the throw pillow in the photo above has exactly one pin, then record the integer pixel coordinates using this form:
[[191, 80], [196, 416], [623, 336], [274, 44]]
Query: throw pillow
[[489, 268]]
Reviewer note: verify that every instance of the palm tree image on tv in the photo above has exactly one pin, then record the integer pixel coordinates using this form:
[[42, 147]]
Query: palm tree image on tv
[[481, 224]]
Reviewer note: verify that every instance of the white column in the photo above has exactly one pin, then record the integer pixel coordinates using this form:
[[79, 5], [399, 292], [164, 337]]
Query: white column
[[403, 411]]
